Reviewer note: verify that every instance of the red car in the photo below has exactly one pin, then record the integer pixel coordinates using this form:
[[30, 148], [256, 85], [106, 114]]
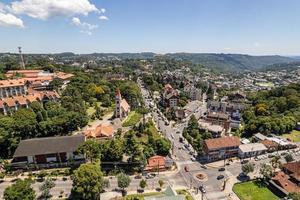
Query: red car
[[186, 168]]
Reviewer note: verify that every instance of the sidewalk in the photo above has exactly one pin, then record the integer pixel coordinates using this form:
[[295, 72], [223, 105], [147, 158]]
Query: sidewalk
[[228, 188]]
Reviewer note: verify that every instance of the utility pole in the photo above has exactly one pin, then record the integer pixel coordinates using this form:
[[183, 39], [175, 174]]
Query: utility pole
[[22, 64]]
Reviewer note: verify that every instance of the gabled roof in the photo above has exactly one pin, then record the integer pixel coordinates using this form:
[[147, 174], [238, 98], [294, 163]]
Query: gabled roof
[[125, 105], [223, 142], [100, 131], [48, 145], [283, 181], [156, 161]]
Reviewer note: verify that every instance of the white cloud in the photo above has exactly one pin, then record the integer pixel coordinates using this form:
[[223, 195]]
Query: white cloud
[[44, 9], [84, 26], [9, 20], [102, 17], [76, 21]]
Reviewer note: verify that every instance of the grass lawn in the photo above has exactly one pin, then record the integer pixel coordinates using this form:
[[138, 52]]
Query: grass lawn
[[132, 119], [140, 196], [187, 195], [253, 190], [293, 136]]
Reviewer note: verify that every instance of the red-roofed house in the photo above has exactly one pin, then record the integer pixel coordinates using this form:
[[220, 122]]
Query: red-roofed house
[[220, 148], [156, 163], [101, 131]]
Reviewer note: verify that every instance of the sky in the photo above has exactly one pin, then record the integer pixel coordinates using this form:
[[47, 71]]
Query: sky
[[256, 27]]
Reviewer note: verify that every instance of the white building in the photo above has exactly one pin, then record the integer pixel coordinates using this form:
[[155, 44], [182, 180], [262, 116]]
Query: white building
[[251, 150]]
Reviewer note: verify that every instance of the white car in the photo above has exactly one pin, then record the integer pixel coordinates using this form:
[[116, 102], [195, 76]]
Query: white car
[[193, 159]]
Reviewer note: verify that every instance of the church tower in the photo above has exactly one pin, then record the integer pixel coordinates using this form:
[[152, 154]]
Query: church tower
[[118, 99]]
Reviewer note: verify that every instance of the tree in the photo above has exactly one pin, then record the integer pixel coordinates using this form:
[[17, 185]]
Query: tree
[[45, 188], [91, 149], [20, 190], [294, 195], [247, 168], [288, 158], [163, 146], [266, 171], [88, 181], [123, 181], [143, 184], [161, 183], [275, 163]]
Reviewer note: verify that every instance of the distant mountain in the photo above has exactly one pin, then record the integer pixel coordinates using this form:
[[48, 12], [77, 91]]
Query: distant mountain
[[280, 66], [231, 62]]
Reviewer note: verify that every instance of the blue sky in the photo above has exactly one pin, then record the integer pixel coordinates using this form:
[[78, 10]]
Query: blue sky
[[257, 27]]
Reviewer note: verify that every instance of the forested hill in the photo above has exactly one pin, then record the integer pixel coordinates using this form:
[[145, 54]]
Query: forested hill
[[231, 62], [221, 62]]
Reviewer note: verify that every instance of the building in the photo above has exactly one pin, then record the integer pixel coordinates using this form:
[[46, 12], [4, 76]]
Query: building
[[33, 86], [221, 119], [170, 97], [293, 170], [251, 150], [158, 163], [11, 104], [283, 181], [122, 107], [168, 194], [192, 92], [101, 132], [48, 152], [270, 145], [259, 137], [221, 148]]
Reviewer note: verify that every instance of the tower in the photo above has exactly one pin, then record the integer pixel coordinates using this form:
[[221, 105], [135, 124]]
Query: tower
[[118, 99], [22, 64]]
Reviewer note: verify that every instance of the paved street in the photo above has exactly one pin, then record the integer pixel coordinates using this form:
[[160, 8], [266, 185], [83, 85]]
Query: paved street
[[182, 156]]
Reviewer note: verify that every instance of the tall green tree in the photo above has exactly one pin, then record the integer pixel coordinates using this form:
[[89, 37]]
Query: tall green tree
[[91, 149], [21, 190], [88, 182], [123, 181], [247, 168]]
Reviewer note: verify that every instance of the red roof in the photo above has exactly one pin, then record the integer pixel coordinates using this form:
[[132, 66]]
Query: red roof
[[223, 142], [283, 181], [156, 162], [100, 131]]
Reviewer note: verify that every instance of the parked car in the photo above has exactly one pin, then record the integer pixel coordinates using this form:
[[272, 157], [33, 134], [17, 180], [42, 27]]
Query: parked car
[[202, 189], [220, 177], [149, 176], [221, 169], [193, 158]]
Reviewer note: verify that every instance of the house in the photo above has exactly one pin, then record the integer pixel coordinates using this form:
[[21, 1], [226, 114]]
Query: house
[[221, 119], [100, 132], [159, 163], [270, 145], [48, 152], [283, 181], [122, 107], [293, 170], [221, 148], [259, 137], [168, 194], [215, 130], [192, 92], [10, 104], [251, 150], [170, 96], [180, 114]]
